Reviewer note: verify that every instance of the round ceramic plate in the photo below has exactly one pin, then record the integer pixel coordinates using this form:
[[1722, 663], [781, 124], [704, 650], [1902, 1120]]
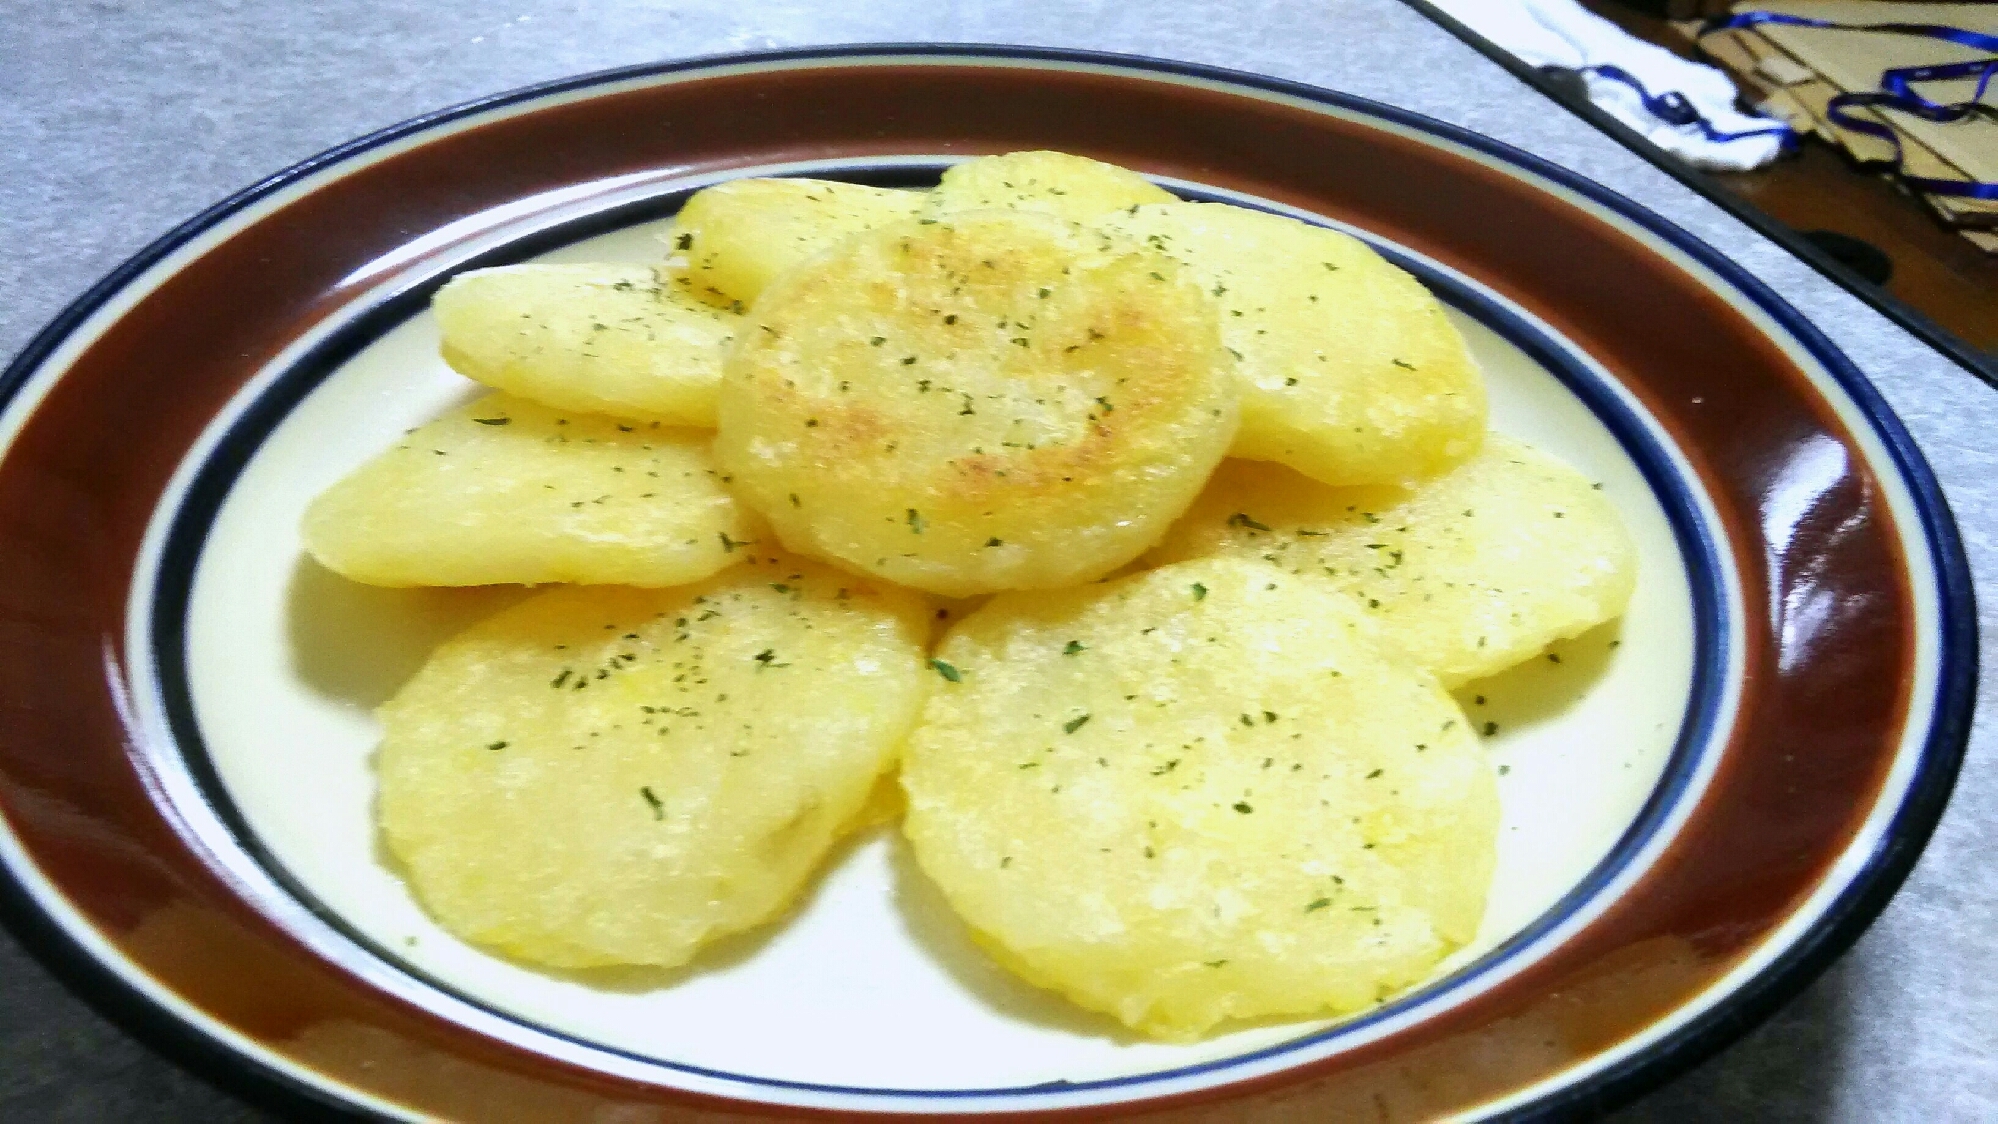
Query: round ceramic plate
[[1702, 803]]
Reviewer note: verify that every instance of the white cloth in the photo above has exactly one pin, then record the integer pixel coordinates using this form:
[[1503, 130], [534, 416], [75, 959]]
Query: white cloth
[[1562, 33]]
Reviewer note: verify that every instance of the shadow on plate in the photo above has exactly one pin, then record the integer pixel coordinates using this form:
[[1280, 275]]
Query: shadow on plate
[[1544, 687], [360, 643]]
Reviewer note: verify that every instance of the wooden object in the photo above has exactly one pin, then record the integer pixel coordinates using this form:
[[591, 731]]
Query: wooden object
[[1944, 276]]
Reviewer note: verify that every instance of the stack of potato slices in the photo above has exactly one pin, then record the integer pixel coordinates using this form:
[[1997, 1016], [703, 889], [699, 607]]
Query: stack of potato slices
[[1204, 494]]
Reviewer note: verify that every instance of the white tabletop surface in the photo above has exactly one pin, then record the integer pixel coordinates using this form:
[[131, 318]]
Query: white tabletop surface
[[118, 118]]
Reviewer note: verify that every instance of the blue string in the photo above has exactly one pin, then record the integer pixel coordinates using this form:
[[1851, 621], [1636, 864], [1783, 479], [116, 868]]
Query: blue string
[[1897, 83], [1975, 39], [1897, 89]]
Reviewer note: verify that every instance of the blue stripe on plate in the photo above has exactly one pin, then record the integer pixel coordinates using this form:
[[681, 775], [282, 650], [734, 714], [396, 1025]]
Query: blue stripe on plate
[[1865, 895]]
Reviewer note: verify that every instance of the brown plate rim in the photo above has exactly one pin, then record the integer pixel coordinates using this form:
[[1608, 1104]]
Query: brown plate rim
[[1863, 898]]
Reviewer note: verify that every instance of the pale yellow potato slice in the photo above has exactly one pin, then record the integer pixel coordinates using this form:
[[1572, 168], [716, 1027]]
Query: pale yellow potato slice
[[1071, 187], [1351, 372], [992, 400], [607, 776], [504, 491], [1198, 794], [1468, 573], [606, 338], [731, 240]]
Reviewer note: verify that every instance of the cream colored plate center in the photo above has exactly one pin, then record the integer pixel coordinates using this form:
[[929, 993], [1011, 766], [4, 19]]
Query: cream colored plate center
[[873, 984]]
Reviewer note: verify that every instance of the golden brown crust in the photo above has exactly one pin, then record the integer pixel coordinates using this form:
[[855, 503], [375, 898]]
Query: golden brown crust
[[987, 401]]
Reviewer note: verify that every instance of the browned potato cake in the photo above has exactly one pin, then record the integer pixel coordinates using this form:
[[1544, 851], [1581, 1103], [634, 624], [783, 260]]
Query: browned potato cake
[[1468, 573], [992, 400], [607, 776], [504, 491], [1199, 794], [609, 338], [1351, 372]]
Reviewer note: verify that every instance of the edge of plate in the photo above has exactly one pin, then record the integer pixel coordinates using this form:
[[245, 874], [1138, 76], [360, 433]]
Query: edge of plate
[[1875, 882]]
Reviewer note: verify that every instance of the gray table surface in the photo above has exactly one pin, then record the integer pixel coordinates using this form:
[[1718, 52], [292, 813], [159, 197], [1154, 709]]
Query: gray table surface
[[119, 118]]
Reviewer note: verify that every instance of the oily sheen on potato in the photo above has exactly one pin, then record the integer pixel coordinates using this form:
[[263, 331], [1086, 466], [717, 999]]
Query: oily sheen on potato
[[1468, 573], [504, 491], [733, 239], [991, 400], [1351, 372], [1071, 187], [610, 338], [1198, 794], [608, 776]]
